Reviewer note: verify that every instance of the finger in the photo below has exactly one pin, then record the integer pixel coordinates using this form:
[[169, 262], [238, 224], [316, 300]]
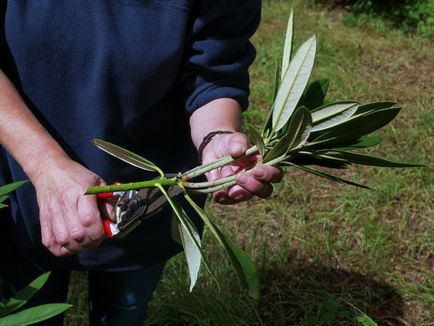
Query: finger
[[76, 231], [236, 144], [239, 194], [254, 186], [107, 209], [268, 174], [49, 241], [60, 251], [222, 197], [213, 175], [227, 171], [58, 226], [90, 218]]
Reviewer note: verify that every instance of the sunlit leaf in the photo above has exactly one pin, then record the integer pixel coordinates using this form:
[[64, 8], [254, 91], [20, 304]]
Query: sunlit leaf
[[126, 156], [268, 121], [374, 106], [331, 115], [293, 83], [244, 267], [5, 189], [315, 94], [298, 132], [257, 140], [287, 49], [34, 314], [354, 128], [327, 176], [190, 239], [23, 295], [363, 159], [192, 253], [299, 128], [278, 150]]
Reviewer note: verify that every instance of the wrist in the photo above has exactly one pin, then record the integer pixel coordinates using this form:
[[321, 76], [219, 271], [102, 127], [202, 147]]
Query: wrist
[[207, 139], [220, 114], [54, 158]]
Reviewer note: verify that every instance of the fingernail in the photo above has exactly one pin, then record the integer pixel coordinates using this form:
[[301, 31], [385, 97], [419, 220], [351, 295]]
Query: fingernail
[[259, 173], [237, 148], [238, 197]]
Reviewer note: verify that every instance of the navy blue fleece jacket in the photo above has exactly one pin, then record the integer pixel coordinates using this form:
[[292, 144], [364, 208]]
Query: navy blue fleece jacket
[[127, 71]]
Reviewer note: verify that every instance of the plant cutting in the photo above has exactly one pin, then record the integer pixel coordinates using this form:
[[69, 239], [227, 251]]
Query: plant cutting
[[301, 131]]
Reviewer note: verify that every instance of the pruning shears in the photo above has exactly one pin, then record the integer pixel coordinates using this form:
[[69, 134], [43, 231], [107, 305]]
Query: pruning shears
[[134, 206]]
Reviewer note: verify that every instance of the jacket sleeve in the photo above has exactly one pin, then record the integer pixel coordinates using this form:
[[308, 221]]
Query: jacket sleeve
[[218, 51], [2, 30]]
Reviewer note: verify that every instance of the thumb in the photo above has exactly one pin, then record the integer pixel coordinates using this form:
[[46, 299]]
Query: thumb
[[236, 144]]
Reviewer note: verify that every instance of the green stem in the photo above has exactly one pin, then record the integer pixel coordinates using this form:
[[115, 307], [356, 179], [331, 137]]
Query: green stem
[[132, 186], [212, 186], [213, 189], [196, 185], [201, 169]]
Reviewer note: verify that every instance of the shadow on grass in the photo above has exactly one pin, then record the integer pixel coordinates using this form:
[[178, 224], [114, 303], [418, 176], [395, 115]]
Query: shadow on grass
[[311, 294]]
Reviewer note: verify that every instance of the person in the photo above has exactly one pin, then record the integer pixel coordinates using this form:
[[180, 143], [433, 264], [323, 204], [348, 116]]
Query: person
[[153, 76]]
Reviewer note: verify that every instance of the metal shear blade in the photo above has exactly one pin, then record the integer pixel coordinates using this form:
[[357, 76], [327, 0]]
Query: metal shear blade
[[135, 206]]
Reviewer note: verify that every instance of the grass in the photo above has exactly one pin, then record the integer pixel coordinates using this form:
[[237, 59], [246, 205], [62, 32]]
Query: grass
[[328, 254]]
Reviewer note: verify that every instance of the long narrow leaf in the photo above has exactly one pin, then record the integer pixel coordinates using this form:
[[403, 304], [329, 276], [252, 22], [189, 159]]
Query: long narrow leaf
[[315, 94], [331, 115], [327, 176], [127, 156], [287, 49], [310, 159], [5, 189], [190, 239], [374, 106], [192, 254], [268, 122], [278, 150], [24, 295], [364, 142], [353, 129], [257, 140], [294, 83], [34, 315], [299, 128], [241, 262], [364, 159]]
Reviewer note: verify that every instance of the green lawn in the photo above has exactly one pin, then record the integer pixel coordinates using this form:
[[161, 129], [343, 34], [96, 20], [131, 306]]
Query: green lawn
[[328, 254]]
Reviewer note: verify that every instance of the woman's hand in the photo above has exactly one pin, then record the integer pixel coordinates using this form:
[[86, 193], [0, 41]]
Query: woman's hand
[[252, 179], [70, 221]]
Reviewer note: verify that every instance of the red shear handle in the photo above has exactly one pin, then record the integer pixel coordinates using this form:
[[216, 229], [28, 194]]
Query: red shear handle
[[110, 228], [107, 228]]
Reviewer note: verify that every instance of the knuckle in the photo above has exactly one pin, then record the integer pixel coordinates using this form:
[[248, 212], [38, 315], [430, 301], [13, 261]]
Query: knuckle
[[68, 195], [87, 220], [77, 234], [63, 240]]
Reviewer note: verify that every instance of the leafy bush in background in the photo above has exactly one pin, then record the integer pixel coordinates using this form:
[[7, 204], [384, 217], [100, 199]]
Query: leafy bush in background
[[413, 15]]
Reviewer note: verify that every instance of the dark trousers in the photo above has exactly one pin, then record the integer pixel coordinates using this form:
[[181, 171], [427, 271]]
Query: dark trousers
[[115, 298]]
